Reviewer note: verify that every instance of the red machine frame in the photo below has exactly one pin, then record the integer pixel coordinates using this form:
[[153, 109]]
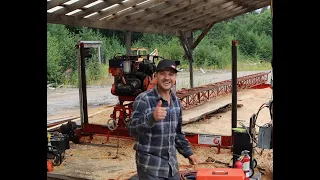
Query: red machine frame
[[189, 98]]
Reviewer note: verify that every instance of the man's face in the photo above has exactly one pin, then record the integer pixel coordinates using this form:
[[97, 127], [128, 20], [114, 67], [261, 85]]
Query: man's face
[[166, 78]]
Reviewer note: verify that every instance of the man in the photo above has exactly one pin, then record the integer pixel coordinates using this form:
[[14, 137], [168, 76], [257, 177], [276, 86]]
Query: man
[[156, 124]]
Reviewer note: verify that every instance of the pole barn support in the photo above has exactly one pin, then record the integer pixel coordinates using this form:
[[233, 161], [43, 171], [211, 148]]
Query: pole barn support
[[128, 42], [186, 39]]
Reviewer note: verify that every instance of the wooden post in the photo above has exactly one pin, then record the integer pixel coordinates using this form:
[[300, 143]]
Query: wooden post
[[99, 54], [128, 43]]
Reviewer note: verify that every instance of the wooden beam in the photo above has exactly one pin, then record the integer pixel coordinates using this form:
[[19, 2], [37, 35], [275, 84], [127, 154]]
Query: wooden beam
[[161, 21], [128, 43], [98, 7], [183, 7], [242, 3], [77, 21], [203, 23], [175, 5], [55, 176], [53, 3], [77, 5], [202, 35], [132, 19], [257, 5], [114, 9], [133, 10], [186, 43], [214, 9], [205, 15]]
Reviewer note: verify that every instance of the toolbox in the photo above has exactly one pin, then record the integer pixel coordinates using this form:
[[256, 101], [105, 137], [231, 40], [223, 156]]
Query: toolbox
[[220, 174]]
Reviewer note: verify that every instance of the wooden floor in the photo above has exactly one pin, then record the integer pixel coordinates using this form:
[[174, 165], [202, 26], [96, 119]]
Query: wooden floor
[[54, 176]]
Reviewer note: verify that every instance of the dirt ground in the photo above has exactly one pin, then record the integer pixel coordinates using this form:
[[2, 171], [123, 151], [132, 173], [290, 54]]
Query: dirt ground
[[102, 160], [106, 162]]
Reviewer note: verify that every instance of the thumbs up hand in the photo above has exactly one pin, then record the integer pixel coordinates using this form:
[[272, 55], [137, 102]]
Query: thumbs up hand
[[159, 113]]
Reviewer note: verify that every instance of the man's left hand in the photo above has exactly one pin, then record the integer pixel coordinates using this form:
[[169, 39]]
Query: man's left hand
[[193, 159]]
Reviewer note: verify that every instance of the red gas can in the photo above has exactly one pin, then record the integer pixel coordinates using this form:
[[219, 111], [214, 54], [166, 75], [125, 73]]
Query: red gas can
[[220, 174]]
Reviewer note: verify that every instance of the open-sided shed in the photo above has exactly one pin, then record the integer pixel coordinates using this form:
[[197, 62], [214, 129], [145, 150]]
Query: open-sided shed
[[170, 17]]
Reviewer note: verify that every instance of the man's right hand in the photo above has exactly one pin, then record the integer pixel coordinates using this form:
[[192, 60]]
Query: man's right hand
[[159, 112]]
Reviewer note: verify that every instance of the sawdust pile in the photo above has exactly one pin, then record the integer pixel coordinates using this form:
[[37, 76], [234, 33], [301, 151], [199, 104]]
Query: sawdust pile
[[104, 160], [100, 160], [265, 162], [249, 102]]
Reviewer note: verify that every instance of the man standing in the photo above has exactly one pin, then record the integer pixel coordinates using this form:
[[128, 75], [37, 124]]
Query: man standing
[[156, 124]]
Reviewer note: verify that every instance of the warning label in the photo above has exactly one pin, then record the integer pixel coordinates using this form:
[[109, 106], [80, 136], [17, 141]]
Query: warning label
[[209, 139]]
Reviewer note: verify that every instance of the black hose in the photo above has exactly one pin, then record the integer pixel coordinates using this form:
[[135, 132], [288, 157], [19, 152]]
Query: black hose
[[270, 109]]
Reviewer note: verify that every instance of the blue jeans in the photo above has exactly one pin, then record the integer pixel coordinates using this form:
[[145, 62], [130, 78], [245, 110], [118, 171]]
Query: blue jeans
[[144, 176]]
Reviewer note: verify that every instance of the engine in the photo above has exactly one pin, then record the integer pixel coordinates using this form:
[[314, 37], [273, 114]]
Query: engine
[[131, 76]]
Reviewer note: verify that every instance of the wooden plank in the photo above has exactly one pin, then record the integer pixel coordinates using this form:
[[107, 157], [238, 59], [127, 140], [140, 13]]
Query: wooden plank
[[55, 176], [53, 3], [78, 119], [198, 112], [75, 21], [187, 11], [202, 35], [204, 15], [134, 9], [158, 10], [77, 5], [98, 7], [114, 9], [203, 22], [213, 16], [242, 3]]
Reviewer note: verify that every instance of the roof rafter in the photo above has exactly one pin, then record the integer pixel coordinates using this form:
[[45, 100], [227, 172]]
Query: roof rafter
[[148, 16], [152, 10], [208, 13], [187, 11], [135, 9], [53, 3], [74, 6], [76, 21], [114, 9], [98, 7], [204, 22]]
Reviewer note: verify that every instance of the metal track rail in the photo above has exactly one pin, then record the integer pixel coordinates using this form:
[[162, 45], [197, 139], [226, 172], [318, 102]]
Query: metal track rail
[[199, 95], [195, 96]]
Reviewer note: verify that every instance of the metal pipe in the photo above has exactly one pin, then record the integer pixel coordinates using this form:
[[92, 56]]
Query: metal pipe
[[234, 84], [82, 86]]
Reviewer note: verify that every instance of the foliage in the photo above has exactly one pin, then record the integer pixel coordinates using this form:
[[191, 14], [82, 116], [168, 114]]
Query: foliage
[[252, 30]]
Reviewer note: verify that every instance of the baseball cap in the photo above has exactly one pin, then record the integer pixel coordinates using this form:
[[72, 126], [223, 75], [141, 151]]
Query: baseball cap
[[166, 63]]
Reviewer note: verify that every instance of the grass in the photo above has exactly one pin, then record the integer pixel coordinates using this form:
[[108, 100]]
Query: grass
[[107, 79], [251, 66]]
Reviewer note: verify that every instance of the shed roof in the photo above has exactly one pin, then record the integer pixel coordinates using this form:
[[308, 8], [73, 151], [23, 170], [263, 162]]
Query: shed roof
[[168, 17]]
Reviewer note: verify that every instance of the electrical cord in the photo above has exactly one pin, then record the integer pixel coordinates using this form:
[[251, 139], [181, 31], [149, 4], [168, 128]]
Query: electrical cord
[[268, 105], [188, 175], [271, 109], [184, 174], [269, 124]]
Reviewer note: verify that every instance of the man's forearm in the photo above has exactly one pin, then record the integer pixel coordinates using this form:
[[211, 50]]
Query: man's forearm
[[183, 146], [141, 123]]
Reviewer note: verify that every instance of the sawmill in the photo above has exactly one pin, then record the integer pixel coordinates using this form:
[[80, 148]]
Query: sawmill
[[133, 74]]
